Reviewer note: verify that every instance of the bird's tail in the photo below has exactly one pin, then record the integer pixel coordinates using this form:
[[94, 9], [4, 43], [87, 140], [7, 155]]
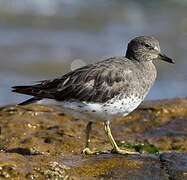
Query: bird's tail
[[29, 90], [30, 101]]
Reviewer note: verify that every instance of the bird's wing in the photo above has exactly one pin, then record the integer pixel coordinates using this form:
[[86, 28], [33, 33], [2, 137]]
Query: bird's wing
[[93, 83]]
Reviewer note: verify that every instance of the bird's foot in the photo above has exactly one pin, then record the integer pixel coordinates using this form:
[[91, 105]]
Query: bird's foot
[[87, 151], [124, 152]]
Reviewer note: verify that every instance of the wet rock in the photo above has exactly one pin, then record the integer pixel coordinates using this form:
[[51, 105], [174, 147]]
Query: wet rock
[[40, 142], [175, 165]]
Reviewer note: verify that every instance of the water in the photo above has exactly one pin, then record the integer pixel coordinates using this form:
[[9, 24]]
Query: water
[[40, 39]]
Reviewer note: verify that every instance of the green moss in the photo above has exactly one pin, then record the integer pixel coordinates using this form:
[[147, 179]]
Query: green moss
[[140, 146]]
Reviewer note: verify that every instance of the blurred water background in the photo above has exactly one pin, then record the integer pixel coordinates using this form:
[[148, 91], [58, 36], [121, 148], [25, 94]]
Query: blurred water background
[[41, 39]]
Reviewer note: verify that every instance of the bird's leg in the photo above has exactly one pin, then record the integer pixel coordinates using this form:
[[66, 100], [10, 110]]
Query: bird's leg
[[87, 150], [115, 149]]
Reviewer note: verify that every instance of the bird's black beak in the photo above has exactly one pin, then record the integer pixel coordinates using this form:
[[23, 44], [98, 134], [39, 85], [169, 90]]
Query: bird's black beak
[[165, 58]]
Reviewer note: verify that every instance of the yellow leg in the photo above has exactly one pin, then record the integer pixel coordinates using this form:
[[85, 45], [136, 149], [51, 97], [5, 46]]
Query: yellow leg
[[116, 149], [87, 150]]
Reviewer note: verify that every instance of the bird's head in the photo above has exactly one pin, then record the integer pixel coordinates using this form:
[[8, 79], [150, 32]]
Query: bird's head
[[145, 48]]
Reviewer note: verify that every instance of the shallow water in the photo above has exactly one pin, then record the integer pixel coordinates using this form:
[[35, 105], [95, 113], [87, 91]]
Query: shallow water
[[40, 40]]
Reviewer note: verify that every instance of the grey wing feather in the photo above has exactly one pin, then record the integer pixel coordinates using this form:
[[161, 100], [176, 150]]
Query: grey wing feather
[[96, 83], [93, 83]]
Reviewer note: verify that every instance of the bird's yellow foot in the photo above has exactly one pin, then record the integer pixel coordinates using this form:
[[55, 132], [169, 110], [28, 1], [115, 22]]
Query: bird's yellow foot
[[124, 152], [87, 151]]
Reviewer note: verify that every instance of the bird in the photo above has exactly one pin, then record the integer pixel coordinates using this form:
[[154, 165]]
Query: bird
[[105, 90]]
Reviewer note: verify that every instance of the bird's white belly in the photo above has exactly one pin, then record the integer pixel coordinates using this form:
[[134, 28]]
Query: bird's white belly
[[98, 112]]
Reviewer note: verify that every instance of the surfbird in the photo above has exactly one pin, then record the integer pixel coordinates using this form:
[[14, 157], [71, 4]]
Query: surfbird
[[105, 90]]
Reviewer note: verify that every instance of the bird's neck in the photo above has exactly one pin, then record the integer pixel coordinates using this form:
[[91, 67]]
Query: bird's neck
[[130, 55], [136, 57]]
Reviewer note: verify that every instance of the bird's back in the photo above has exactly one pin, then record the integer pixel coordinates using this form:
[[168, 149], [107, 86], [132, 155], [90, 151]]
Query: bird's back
[[97, 82]]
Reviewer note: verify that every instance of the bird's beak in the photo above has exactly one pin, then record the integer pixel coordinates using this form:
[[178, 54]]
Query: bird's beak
[[165, 58]]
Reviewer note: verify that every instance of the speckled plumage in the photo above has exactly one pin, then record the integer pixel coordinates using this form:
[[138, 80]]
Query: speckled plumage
[[117, 91], [96, 82], [112, 80], [105, 90]]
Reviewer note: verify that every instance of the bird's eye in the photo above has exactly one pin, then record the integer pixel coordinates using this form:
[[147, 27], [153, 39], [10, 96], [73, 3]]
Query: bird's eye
[[147, 45]]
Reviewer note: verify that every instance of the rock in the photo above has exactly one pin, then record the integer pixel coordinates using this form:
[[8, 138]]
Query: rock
[[40, 142], [175, 165]]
